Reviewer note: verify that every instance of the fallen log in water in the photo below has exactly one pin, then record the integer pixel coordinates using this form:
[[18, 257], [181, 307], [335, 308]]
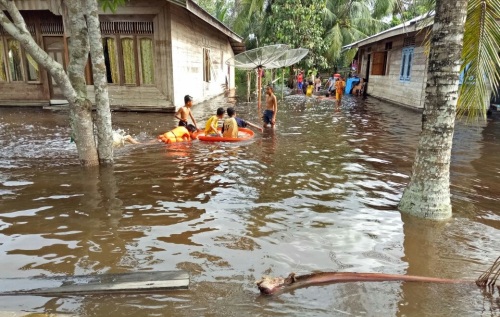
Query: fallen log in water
[[277, 285], [96, 284]]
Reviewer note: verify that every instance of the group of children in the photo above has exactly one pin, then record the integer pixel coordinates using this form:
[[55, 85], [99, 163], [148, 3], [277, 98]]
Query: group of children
[[230, 124], [185, 131]]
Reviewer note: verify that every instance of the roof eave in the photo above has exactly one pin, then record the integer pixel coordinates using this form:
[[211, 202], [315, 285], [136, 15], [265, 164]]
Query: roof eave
[[413, 26], [235, 40]]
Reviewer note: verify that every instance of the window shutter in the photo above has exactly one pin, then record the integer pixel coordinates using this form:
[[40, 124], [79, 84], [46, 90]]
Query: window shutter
[[406, 64], [403, 64], [409, 63], [378, 63]]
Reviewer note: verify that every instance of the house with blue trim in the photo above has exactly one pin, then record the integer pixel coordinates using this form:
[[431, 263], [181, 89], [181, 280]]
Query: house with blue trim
[[393, 63]]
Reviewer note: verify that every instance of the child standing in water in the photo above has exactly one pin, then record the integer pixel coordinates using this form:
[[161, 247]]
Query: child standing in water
[[339, 90], [271, 108], [185, 112]]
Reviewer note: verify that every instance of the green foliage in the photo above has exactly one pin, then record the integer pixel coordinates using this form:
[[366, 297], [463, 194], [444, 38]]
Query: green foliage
[[297, 23], [480, 55], [220, 9], [347, 21], [480, 59], [111, 5]]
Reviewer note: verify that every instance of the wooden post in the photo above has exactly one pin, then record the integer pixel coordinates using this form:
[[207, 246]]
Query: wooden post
[[249, 83], [282, 78], [259, 86]]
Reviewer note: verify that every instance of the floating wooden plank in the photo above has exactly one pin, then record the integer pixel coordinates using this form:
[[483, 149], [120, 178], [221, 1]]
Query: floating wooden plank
[[138, 282]]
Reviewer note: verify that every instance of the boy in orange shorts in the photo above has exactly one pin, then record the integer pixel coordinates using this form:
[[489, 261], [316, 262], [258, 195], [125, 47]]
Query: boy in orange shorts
[[339, 90]]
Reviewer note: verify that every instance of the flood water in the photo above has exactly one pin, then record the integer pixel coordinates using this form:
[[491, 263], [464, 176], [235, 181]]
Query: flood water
[[319, 193]]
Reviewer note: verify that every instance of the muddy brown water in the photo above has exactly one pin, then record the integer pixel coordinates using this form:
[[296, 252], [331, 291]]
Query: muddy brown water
[[318, 194]]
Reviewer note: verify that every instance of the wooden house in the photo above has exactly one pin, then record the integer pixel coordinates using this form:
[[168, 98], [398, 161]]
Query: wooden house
[[156, 52], [393, 63]]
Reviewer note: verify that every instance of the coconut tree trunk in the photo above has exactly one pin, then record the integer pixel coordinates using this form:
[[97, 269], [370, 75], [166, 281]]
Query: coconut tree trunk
[[428, 193], [81, 109], [103, 113]]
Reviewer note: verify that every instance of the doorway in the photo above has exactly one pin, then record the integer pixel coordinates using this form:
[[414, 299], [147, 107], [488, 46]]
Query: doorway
[[54, 46], [367, 75]]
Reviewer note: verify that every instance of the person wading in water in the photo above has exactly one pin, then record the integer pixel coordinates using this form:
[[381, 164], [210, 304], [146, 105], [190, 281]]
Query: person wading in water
[[271, 108]]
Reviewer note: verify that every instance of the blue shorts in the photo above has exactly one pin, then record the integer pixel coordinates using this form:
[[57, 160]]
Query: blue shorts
[[299, 86], [268, 116]]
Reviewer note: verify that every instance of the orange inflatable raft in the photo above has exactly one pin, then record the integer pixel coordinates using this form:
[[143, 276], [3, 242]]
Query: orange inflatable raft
[[244, 134], [179, 134]]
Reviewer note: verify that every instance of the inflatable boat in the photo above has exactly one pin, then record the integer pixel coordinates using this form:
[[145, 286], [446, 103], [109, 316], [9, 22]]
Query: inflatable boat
[[244, 134]]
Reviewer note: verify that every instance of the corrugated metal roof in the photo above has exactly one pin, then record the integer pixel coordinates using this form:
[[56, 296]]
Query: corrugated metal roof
[[409, 26]]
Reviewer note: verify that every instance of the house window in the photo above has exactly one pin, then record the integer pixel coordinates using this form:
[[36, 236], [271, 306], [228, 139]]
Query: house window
[[32, 67], [378, 63], [3, 72], [147, 63], [207, 65], [129, 52], [381, 61], [15, 64], [406, 62], [409, 41], [128, 57], [15, 60], [111, 60]]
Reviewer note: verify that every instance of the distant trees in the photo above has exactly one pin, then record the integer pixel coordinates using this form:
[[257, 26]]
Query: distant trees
[[297, 23], [323, 26]]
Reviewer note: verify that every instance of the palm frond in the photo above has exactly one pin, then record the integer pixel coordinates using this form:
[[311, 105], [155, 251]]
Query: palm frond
[[480, 57], [382, 8], [329, 18], [335, 39]]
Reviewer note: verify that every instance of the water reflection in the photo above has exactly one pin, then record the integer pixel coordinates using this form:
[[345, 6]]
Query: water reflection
[[318, 193]]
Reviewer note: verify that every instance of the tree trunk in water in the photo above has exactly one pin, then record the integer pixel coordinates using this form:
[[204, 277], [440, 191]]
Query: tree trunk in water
[[73, 84], [428, 193], [81, 109], [83, 131], [103, 118]]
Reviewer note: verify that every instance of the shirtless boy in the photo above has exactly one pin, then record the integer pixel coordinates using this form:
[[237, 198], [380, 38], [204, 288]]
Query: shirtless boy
[[271, 108], [185, 112]]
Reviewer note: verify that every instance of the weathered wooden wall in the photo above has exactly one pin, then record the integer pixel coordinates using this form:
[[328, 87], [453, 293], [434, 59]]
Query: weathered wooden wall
[[189, 36], [390, 87], [22, 93], [142, 98]]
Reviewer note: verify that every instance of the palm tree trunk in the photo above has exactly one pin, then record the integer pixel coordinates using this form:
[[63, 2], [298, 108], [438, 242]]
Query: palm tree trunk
[[428, 193], [103, 113]]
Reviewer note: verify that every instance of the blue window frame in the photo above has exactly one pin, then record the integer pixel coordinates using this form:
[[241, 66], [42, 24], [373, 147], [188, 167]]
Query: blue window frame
[[463, 74], [406, 62]]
